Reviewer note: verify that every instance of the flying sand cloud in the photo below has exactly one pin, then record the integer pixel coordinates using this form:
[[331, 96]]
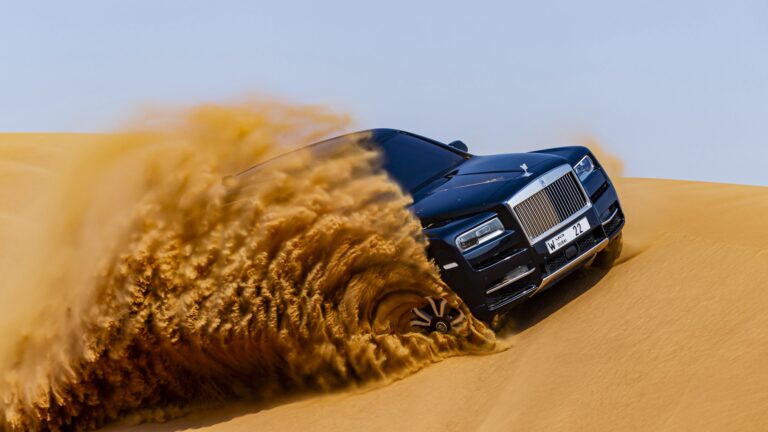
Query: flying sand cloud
[[148, 284]]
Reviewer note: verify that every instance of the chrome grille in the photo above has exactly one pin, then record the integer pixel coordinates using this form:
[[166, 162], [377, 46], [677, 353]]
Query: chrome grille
[[550, 206]]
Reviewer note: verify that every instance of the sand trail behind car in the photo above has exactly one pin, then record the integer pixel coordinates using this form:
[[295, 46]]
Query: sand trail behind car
[[675, 337]]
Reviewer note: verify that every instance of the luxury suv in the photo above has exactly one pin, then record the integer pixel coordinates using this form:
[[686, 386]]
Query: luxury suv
[[501, 228]]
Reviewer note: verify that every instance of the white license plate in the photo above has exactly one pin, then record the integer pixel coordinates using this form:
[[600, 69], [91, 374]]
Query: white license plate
[[567, 235]]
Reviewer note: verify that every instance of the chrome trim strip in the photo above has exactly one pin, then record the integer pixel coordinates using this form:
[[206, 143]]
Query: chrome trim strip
[[607, 221], [507, 282], [506, 258], [571, 265], [526, 293], [535, 186]]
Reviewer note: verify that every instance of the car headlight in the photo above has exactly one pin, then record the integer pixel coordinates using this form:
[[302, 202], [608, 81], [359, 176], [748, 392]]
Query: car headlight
[[584, 168], [479, 234]]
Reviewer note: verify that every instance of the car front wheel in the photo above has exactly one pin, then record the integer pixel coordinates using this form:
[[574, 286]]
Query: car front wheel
[[437, 316]]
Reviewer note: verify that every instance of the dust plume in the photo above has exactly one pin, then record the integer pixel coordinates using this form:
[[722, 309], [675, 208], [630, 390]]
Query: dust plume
[[610, 162], [140, 277], [645, 232]]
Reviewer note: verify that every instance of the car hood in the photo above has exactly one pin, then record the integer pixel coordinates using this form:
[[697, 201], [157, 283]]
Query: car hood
[[479, 184]]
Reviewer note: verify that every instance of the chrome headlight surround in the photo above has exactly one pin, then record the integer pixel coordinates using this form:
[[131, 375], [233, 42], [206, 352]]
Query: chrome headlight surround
[[584, 168], [480, 234]]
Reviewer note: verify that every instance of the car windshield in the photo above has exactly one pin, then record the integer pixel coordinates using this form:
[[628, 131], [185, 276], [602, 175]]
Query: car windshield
[[413, 161], [410, 160]]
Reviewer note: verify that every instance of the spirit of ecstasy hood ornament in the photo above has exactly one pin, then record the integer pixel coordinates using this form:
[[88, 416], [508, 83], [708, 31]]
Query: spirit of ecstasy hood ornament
[[525, 169]]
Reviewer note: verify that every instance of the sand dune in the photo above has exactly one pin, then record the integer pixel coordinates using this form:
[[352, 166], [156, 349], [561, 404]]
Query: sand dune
[[673, 338]]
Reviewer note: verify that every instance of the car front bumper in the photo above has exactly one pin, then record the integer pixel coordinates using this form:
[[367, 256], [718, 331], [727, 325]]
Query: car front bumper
[[509, 269]]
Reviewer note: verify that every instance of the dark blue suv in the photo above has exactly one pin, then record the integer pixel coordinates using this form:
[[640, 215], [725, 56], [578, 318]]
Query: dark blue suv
[[504, 227]]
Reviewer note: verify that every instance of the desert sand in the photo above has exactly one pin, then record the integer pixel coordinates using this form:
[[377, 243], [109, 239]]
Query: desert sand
[[673, 337]]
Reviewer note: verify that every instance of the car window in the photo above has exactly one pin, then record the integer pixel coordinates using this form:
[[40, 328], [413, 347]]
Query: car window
[[412, 161]]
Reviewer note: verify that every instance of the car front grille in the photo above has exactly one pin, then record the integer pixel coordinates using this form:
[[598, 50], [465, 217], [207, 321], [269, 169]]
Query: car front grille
[[550, 206]]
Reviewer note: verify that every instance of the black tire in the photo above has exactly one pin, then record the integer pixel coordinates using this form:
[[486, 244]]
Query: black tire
[[608, 256]]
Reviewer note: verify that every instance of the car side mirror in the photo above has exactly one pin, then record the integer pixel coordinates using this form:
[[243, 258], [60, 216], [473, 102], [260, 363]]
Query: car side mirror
[[459, 144]]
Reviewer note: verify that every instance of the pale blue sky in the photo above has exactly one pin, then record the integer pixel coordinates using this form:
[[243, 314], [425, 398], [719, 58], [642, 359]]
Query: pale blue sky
[[676, 89]]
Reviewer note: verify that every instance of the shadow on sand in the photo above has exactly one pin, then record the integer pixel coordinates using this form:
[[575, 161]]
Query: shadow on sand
[[547, 302], [199, 417]]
